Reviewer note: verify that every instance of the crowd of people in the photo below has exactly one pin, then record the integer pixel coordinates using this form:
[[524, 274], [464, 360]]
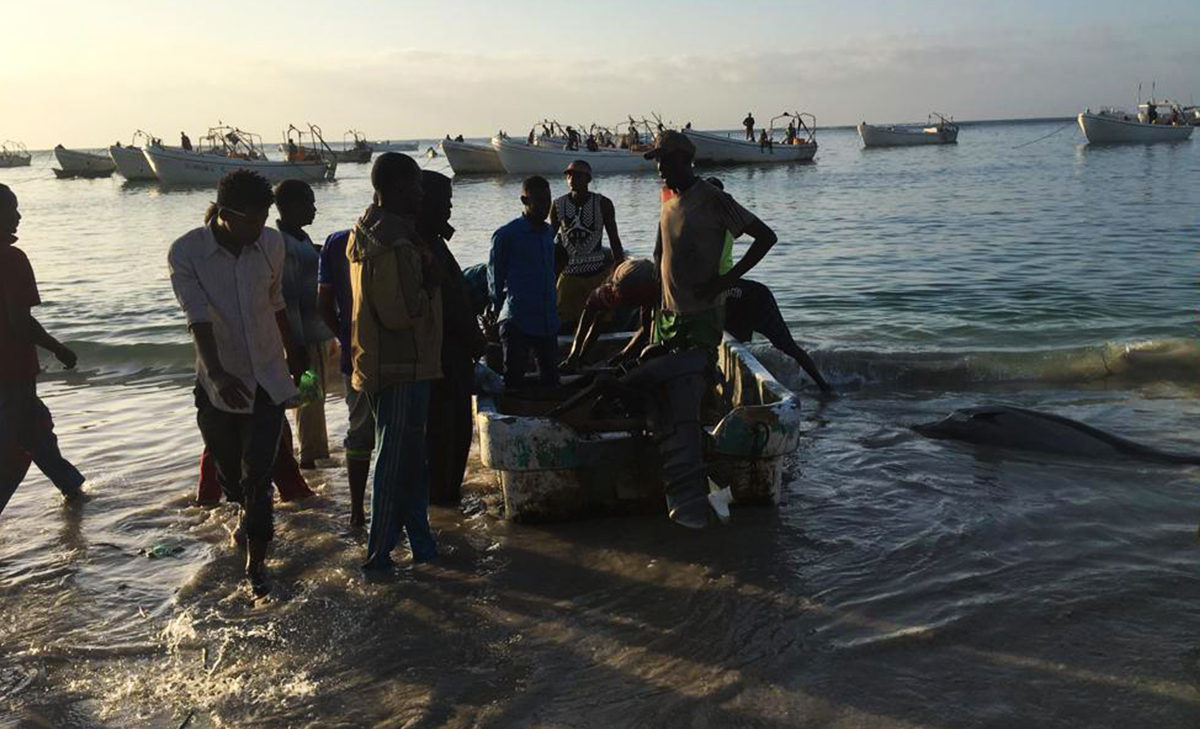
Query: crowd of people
[[264, 304]]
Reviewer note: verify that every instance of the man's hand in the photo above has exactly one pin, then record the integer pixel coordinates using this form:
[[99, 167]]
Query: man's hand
[[66, 356], [711, 288], [230, 389], [297, 361]]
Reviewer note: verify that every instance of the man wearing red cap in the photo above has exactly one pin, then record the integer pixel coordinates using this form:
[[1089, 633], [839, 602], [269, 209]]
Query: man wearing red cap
[[579, 220]]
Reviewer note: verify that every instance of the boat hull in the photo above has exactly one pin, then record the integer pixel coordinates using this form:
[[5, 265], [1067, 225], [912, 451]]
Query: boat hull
[[547, 470], [82, 164], [181, 167], [716, 149], [131, 163], [14, 160], [1105, 129], [354, 156], [466, 158], [520, 158], [873, 136]]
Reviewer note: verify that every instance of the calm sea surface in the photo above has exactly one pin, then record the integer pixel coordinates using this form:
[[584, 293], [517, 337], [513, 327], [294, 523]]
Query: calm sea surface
[[906, 582]]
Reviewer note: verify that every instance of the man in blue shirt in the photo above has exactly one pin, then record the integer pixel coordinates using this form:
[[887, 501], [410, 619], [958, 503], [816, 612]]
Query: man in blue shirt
[[521, 285], [336, 306]]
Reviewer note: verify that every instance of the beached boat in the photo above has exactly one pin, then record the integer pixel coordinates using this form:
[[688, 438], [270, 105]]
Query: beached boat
[[1113, 126], [551, 469], [724, 149], [227, 149], [469, 158], [14, 154], [945, 131], [130, 161], [82, 164], [520, 158]]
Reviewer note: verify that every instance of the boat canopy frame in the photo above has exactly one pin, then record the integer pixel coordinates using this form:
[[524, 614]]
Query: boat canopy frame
[[231, 142], [310, 144], [11, 148], [807, 126]]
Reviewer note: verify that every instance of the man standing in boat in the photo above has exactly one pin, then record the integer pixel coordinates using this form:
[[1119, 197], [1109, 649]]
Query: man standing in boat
[[184, 142], [579, 220], [26, 429], [748, 123], [691, 241]]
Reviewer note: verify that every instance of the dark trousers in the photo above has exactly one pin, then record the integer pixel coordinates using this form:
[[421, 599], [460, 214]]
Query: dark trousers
[[27, 435], [449, 432], [400, 490], [243, 446], [517, 347]]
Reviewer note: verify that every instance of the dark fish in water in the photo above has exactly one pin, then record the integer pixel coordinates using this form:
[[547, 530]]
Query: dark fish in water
[[1018, 428]]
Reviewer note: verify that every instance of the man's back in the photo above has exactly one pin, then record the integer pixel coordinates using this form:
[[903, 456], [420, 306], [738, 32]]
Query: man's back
[[523, 258], [18, 356]]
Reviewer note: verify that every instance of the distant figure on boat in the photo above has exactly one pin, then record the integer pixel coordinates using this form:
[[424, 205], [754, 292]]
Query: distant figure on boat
[[791, 133], [572, 139], [185, 142], [459, 138], [764, 141], [687, 126], [532, 136], [748, 122], [591, 144], [26, 429], [580, 220], [1151, 113]]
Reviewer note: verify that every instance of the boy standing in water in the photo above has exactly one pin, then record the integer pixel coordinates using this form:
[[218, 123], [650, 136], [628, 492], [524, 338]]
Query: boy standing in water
[[26, 429], [228, 278]]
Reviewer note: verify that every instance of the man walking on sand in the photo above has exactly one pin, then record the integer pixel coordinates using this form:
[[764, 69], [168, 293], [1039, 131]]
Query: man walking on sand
[[26, 428]]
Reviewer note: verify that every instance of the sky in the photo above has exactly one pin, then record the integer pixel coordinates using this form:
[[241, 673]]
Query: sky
[[85, 73]]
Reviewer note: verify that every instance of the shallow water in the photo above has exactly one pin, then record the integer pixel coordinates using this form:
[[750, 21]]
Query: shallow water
[[906, 582]]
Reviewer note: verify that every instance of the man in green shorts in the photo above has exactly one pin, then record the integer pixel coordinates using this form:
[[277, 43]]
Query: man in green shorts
[[692, 228]]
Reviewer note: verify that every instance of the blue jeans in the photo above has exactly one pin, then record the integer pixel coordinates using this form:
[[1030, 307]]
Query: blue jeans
[[400, 495], [27, 434], [517, 347]]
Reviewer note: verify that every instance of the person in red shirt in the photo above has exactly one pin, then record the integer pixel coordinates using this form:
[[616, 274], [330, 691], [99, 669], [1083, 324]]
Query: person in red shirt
[[26, 428]]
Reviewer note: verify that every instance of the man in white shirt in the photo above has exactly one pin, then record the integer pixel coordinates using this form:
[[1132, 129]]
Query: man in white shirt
[[228, 278]]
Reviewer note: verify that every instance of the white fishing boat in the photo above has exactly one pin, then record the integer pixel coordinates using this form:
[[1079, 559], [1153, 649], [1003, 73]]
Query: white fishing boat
[[945, 131], [1114, 126], [228, 149], [82, 164], [130, 161], [470, 158], [796, 143], [520, 158], [14, 154]]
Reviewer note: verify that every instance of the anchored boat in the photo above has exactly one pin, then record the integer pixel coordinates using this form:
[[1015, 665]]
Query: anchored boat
[[469, 158], [945, 131], [356, 149], [81, 164], [14, 154], [1148, 125], [552, 469], [796, 143], [520, 158], [227, 149], [130, 161]]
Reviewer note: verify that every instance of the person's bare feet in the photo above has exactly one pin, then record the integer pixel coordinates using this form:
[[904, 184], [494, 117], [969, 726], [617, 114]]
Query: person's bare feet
[[256, 567]]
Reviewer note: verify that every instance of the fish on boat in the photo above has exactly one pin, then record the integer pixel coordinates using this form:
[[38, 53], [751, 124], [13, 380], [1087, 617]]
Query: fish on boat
[[470, 158], [586, 463], [1148, 125], [227, 149], [14, 154], [944, 131], [714, 148], [130, 160], [81, 164]]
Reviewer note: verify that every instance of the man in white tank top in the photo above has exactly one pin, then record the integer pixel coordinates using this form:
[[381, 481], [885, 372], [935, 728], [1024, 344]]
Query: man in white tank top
[[579, 220]]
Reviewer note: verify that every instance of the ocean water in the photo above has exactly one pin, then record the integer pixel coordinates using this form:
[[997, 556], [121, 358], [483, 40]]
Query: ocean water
[[905, 583]]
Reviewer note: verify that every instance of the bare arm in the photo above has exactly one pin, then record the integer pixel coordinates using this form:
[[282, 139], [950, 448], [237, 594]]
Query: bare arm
[[297, 357], [764, 240], [585, 336], [610, 227], [28, 328], [328, 308], [640, 339]]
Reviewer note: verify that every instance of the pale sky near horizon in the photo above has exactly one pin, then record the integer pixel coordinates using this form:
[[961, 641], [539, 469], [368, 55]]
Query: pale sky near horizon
[[85, 73]]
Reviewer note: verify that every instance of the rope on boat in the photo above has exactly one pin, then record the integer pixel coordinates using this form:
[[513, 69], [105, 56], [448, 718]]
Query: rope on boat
[[1051, 134]]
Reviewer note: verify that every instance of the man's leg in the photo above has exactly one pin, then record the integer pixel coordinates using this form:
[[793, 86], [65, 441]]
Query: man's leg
[[359, 444], [548, 358], [310, 418], [38, 439], [462, 429], [260, 446], [208, 489], [14, 462], [222, 435], [516, 354], [412, 506], [286, 471], [388, 407], [769, 322], [439, 440]]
